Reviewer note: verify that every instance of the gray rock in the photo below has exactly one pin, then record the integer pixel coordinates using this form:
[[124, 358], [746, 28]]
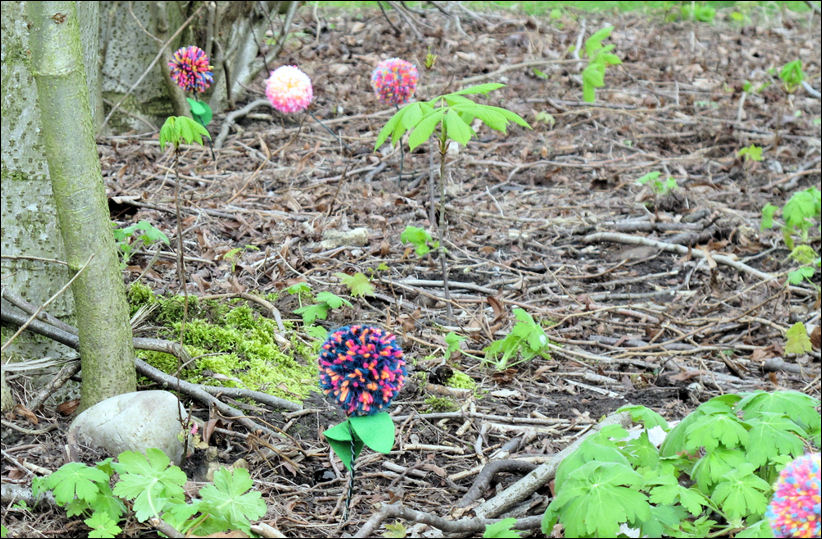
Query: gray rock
[[132, 422], [338, 238]]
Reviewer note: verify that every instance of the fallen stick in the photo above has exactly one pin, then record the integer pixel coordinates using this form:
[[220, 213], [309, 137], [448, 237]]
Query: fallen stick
[[529, 484]]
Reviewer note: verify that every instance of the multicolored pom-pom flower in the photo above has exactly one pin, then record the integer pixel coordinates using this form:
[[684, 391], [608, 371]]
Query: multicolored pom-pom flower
[[362, 368], [394, 81], [794, 508], [190, 69], [289, 89]]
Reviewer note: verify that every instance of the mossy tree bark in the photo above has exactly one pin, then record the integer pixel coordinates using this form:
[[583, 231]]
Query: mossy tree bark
[[107, 355]]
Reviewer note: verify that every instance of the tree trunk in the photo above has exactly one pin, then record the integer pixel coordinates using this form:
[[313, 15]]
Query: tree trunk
[[106, 352], [29, 224]]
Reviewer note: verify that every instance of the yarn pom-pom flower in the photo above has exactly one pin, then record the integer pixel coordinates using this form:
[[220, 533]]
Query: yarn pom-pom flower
[[394, 81], [362, 369], [289, 89], [794, 509], [190, 69]]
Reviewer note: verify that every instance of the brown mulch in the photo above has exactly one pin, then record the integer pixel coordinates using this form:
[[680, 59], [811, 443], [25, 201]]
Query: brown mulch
[[633, 322]]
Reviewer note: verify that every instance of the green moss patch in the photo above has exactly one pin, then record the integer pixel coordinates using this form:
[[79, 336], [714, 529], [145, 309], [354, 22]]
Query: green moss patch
[[231, 345]]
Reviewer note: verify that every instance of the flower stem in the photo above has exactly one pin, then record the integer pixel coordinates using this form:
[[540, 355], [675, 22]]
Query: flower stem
[[330, 131]]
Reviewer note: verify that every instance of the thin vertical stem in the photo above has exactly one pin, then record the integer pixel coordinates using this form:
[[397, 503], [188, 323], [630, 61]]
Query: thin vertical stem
[[181, 272], [443, 227], [402, 150], [351, 474]]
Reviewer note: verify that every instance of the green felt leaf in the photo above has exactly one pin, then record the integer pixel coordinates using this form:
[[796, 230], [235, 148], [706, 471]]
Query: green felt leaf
[[229, 497], [200, 111], [339, 438], [376, 430]]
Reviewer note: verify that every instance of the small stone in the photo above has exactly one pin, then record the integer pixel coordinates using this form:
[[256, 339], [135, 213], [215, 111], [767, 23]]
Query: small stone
[[132, 422], [337, 238]]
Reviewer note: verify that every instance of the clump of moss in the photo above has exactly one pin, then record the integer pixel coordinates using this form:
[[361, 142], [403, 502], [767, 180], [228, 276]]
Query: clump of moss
[[138, 295], [461, 380], [233, 346], [441, 404]]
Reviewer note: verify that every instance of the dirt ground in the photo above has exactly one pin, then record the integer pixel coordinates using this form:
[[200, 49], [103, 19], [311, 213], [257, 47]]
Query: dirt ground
[[549, 220]]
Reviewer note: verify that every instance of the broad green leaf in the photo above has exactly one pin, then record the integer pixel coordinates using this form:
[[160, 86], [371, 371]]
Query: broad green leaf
[[713, 429], [797, 340], [311, 313], [357, 283], [646, 416], [389, 127], [376, 430], [332, 300], [149, 481], [489, 117], [771, 435], [75, 479], [479, 89], [509, 115], [299, 288], [200, 111], [457, 100], [456, 129], [229, 497], [594, 43], [339, 438], [412, 115], [102, 525], [425, 128], [795, 405], [502, 529], [741, 493], [715, 465]]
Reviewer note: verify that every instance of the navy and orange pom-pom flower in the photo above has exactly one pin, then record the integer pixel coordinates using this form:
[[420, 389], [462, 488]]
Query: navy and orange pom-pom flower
[[190, 69], [362, 369]]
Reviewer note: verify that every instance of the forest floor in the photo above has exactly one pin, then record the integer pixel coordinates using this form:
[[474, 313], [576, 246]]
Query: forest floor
[[549, 220]]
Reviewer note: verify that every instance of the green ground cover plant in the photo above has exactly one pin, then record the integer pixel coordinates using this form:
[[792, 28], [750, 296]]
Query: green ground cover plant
[[800, 215], [526, 340], [147, 486], [140, 234], [711, 476]]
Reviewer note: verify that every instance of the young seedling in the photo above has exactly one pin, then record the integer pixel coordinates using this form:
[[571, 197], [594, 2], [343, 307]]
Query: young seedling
[[792, 75], [140, 234], [750, 153], [451, 115], [526, 340], [358, 284], [599, 58], [799, 215], [421, 240], [233, 255], [394, 82]]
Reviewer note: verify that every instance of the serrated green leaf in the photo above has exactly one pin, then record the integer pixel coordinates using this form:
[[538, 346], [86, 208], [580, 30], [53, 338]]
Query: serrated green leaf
[[75, 479], [150, 481], [102, 525], [229, 497], [311, 313], [715, 465], [299, 288], [425, 128], [395, 530], [358, 284], [741, 493], [376, 430], [502, 529], [772, 435], [452, 340], [594, 43], [713, 429], [332, 300], [797, 340]]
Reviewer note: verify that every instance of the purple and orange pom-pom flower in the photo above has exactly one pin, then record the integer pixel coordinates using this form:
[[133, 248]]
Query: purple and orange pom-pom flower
[[289, 89], [394, 81], [362, 369], [190, 69], [794, 509]]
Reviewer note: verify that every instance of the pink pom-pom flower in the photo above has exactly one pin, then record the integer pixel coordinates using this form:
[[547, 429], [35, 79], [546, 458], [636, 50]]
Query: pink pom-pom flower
[[394, 81], [794, 508], [289, 89], [190, 69]]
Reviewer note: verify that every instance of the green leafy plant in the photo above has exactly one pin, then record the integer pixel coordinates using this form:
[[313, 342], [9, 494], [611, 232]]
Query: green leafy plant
[[142, 234], [718, 462], [154, 489], [179, 129], [420, 238], [325, 302], [358, 284], [233, 255], [750, 153], [799, 214], [658, 186], [692, 11], [599, 58], [792, 75], [452, 115], [797, 340], [526, 340], [502, 528]]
